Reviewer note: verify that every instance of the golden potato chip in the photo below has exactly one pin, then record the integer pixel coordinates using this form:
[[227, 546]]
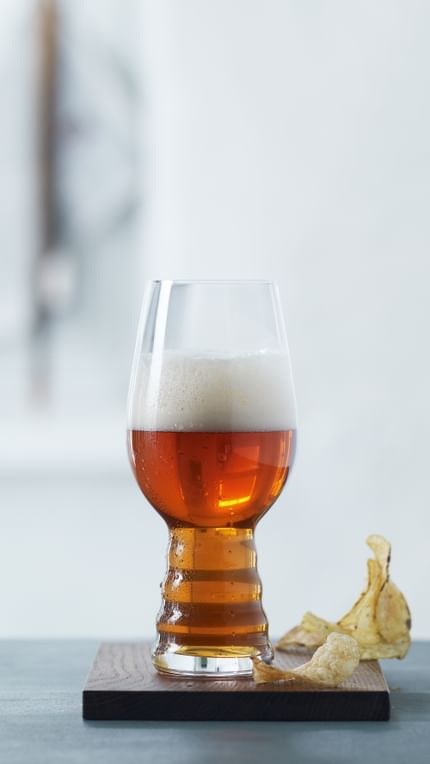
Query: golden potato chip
[[380, 620], [330, 665]]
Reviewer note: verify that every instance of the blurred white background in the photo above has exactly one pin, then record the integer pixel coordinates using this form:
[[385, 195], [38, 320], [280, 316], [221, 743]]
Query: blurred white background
[[279, 139]]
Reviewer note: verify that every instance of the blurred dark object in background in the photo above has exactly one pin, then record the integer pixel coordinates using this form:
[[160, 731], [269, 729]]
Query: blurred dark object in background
[[69, 195]]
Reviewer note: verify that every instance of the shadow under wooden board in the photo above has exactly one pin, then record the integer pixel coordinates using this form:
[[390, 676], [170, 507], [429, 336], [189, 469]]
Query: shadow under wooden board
[[123, 685]]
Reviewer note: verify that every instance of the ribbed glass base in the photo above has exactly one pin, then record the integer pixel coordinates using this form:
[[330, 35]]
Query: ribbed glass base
[[211, 621]]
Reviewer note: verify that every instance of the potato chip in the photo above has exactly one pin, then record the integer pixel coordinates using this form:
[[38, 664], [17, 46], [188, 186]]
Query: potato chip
[[329, 666], [380, 620]]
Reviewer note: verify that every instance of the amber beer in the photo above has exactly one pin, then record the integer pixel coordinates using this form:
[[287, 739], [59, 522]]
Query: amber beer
[[212, 488], [211, 479]]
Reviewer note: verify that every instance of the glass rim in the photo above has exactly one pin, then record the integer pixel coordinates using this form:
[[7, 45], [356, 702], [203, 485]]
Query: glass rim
[[267, 282]]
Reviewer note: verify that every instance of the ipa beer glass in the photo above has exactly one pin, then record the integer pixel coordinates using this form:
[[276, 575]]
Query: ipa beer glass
[[211, 438]]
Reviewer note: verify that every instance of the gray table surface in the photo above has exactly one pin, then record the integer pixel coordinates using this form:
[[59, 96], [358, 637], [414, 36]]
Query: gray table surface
[[40, 720]]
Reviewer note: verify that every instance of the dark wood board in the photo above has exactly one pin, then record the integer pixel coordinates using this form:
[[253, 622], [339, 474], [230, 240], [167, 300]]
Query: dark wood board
[[123, 685]]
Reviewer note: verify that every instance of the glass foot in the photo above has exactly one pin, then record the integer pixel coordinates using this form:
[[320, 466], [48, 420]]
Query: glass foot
[[227, 663]]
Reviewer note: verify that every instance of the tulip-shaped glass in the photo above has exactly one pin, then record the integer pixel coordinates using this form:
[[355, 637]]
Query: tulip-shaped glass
[[211, 438]]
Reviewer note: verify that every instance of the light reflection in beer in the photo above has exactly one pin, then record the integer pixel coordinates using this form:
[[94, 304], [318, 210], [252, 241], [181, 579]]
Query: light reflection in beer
[[234, 502]]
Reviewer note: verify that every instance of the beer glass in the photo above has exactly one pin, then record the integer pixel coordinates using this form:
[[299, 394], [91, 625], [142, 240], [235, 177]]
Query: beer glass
[[211, 437]]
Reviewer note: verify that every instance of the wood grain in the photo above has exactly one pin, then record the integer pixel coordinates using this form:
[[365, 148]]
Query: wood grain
[[123, 685]]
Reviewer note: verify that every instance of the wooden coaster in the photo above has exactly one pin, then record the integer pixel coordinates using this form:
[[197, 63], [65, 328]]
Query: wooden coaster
[[123, 685]]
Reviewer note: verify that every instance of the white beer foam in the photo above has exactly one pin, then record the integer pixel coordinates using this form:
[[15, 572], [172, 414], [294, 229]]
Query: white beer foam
[[187, 392]]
